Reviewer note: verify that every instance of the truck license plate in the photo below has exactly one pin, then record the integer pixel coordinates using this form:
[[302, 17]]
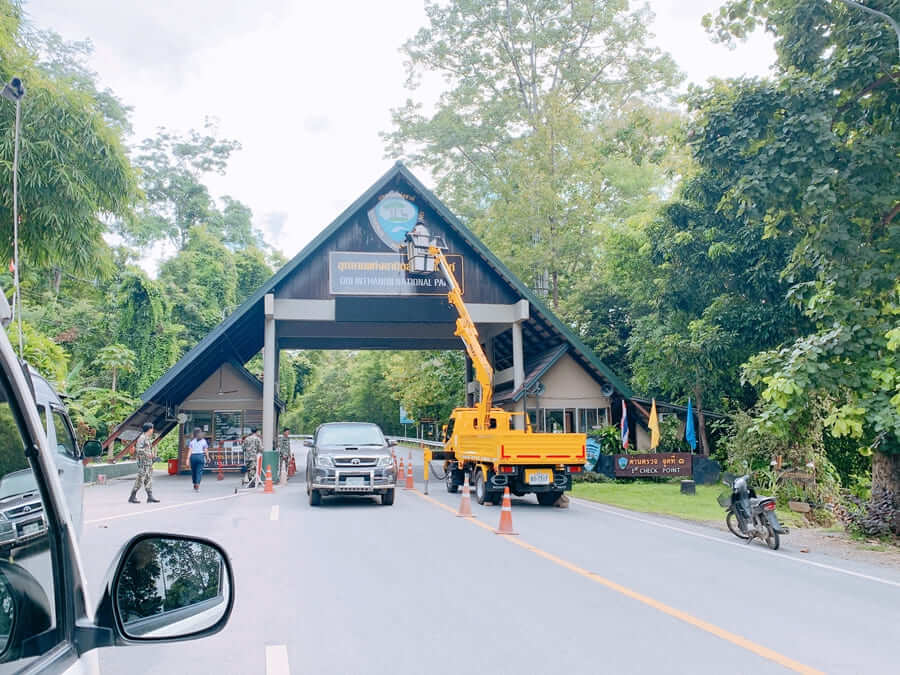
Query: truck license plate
[[31, 528], [351, 481], [539, 476]]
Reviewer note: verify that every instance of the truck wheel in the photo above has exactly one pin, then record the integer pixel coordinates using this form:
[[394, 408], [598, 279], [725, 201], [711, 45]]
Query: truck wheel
[[481, 493], [315, 498], [387, 499], [548, 498], [452, 487]]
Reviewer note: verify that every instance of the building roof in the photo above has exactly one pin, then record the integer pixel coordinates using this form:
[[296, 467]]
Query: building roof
[[240, 336], [536, 370]]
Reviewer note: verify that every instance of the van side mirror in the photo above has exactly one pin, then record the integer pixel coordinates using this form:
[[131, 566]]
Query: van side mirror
[[165, 588], [92, 448], [308, 443]]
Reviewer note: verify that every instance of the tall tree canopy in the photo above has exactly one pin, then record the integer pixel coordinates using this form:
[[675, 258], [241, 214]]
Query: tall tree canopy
[[65, 195], [531, 136], [813, 155]]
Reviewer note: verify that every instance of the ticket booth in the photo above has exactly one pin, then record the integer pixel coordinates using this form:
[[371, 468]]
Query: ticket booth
[[225, 408]]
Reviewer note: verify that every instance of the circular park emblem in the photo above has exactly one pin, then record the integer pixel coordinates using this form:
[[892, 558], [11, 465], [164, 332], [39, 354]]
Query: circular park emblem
[[392, 218], [623, 462]]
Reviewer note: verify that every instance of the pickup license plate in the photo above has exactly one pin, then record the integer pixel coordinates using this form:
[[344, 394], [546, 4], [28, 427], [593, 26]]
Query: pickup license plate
[[31, 528], [539, 476], [351, 481]]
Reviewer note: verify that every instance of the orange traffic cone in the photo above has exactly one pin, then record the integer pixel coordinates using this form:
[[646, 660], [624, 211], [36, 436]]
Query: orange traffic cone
[[292, 467], [221, 474], [505, 516], [465, 504], [268, 488], [400, 472], [409, 477]]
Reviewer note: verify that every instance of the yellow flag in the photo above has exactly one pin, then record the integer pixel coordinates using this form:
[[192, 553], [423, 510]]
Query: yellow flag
[[654, 426]]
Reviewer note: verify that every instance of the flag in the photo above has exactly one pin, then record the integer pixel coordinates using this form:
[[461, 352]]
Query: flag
[[690, 434], [624, 425], [654, 426]]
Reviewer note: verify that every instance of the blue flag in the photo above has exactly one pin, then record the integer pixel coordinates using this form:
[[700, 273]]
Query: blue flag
[[690, 433]]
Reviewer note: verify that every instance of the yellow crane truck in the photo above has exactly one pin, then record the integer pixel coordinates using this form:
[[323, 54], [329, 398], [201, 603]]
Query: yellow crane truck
[[482, 441]]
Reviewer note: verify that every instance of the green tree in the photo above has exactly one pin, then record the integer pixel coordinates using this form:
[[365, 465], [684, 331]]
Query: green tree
[[172, 171], [116, 358], [73, 170], [515, 141], [252, 271], [145, 326], [427, 384], [200, 282], [813, 155]]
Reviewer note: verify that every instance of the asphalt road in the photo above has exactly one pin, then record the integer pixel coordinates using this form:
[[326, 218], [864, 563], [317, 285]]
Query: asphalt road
[[355, 587]]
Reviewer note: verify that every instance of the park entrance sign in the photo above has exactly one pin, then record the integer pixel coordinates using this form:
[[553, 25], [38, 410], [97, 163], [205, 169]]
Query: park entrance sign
[[349, 289]]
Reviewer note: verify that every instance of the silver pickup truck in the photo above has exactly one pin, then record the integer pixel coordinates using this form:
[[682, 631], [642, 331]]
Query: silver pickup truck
[[350, 458]]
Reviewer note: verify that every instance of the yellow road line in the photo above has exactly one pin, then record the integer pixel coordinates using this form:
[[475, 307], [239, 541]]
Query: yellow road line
[[706, 626]]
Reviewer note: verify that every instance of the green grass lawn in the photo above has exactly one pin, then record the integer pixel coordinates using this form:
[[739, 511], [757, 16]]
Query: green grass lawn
[[665, 499]]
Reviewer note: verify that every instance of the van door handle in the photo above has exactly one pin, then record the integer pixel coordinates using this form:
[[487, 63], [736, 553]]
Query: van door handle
[[60, 472]]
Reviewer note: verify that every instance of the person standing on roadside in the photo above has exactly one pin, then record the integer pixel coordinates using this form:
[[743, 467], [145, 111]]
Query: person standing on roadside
[[197, 447], [143, 450], [284, 451], [252, 447]]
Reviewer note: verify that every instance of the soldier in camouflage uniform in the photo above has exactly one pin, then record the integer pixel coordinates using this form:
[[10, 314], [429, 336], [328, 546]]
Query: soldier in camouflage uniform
[[284, 451], [252, 446], [144, 453]]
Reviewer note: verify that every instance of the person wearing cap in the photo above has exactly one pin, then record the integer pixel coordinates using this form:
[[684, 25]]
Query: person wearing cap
[[143, 451], [252, 447]]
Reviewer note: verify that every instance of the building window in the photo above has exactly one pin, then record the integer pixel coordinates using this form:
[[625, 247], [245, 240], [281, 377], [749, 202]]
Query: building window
[[556, 421]]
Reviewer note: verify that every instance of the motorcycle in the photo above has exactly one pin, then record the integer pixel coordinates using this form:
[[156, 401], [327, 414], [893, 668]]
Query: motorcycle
[[750, 517]]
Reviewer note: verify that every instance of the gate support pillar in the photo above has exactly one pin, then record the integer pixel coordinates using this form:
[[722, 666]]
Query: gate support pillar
[[269, 374]]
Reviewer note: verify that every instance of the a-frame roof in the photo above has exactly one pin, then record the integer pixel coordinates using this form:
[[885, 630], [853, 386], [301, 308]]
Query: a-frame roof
[[240, 336]]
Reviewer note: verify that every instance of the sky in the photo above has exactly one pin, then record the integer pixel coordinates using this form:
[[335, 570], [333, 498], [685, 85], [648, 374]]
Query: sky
[[305, 87]]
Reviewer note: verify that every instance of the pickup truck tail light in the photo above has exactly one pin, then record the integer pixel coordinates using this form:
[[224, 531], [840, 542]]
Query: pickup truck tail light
[[507, 469], [576, 469]]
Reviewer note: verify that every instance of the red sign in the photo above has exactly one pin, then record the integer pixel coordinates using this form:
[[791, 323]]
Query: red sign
[[662, 464]]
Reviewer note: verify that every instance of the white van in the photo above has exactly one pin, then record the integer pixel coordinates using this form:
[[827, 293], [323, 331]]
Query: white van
[[61, 438]]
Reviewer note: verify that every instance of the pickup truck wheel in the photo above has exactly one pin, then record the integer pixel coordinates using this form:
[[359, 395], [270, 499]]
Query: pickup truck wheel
[[387, 499], [548, 498], [481, 493], [315, 498]]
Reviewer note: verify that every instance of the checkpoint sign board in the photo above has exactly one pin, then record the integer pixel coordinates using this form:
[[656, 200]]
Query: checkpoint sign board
[[361, 273], [663, 464]]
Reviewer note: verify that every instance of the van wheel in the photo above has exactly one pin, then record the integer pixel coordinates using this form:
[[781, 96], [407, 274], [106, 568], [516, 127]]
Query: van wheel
[[315, 498], [387, 499], [548, 498]]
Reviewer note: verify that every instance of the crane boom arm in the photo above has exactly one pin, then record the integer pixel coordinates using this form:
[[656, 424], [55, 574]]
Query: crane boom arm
[[465, 329]]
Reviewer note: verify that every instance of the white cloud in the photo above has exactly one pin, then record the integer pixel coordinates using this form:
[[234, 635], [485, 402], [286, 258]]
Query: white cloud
[[305, 87]]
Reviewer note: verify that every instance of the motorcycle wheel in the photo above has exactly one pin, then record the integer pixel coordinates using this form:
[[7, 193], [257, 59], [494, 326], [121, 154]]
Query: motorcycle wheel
[[731, 522], [772, 539]]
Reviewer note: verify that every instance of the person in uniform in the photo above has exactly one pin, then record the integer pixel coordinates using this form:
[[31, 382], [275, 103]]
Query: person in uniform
[[252, 447], [144, 454], [284, 450]]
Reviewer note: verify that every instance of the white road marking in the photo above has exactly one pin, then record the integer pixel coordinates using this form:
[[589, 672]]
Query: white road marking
[[160, 508], [755, 549], [273, 514], [277, 660]]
